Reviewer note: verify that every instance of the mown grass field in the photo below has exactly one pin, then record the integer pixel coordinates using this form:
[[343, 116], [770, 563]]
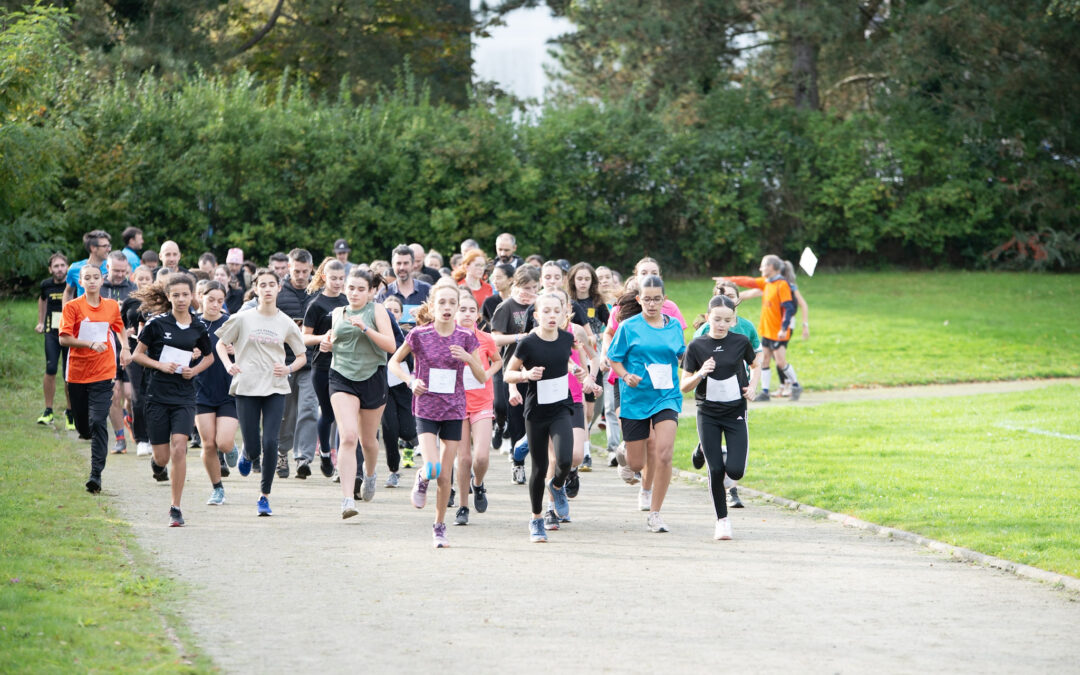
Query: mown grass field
[[76, 593], [900, 328], [997, 473]]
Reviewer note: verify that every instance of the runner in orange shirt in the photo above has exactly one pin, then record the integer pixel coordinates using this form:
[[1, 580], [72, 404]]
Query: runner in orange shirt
[[777, 313], [86, 329]]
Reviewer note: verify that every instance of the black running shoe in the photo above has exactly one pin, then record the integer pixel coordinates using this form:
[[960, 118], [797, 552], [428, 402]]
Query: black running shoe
[[733, 501], [496, 438], [699, 457], [93, 486], [326, 464], [303, 468], [357, 487], [573, 484], [225, 470], [453, 493], [161, 473]]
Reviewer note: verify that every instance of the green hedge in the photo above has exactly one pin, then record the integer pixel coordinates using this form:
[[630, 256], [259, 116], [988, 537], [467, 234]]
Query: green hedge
[[215, 163]]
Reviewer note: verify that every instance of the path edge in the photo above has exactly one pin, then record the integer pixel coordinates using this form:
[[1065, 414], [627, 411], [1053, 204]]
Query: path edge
[[1053, 579]]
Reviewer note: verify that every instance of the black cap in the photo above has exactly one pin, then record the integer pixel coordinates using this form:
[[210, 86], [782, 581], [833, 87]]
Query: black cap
[[564, 264], [341, 246]]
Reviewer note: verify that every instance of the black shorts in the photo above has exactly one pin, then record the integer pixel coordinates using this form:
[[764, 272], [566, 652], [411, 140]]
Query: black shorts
[[638, 430], [773, 344], [448, 430], [577, 416], [371, 392], [55, 355], [164, 420], [226, 409]]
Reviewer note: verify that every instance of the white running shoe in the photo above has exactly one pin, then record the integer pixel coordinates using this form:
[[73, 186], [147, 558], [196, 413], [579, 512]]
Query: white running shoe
[[348, 508], [723, 529], [143, 449], [628, 475], [656, 523], [644, 499]]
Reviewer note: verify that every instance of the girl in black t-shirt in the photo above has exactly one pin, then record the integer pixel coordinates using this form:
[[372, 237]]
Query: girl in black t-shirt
[[541, 362], [166, 346], [215, 410], [330, 279], [584, 287], [508, 328], [715, 367]]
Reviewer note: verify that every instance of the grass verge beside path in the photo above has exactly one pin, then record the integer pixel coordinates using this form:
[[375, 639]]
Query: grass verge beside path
[[75, 592], [994, 473], [900, 328]]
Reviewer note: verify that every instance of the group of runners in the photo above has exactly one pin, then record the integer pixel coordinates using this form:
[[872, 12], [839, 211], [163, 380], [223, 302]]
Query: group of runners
[[442, 363]]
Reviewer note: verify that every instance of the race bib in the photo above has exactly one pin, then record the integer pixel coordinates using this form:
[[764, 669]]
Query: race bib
[[442, 380], [470, 380], [660, 375], [94, 331], [554, 390], [722, 391], [392, 380]]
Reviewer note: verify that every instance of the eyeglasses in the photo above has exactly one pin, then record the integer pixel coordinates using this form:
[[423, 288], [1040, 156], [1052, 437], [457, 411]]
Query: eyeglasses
[[651, 301]]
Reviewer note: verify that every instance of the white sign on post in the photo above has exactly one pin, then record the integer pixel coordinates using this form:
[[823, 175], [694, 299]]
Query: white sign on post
[[808, 261]]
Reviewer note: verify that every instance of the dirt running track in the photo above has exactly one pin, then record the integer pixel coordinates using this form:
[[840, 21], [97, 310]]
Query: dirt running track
[[304, 591]]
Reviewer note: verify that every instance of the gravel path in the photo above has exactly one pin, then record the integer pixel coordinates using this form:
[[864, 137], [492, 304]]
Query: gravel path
[[304, 590]]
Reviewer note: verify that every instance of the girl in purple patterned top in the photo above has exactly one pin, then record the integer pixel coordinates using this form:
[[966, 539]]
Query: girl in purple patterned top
[[441, 351]]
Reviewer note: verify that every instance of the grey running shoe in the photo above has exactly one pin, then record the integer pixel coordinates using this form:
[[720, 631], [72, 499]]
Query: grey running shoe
[[120, 447], [217, 497], [480, 500], [551, 521], [303, 467], [283, 466], [562, 505], [393, 479], [518, 474], [796, 391], [367, 492], [176, 519], [462, 517]]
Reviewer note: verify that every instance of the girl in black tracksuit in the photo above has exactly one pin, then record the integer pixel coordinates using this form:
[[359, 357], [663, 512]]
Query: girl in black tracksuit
[[715, 367]]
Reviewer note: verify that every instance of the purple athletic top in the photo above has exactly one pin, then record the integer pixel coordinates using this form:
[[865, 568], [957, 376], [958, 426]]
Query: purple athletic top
[[433, 351]]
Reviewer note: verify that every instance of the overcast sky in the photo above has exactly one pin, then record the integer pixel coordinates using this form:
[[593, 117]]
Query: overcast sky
[[515, 55]]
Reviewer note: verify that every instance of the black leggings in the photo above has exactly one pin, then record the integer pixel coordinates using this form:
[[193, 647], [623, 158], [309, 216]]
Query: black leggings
[[561, 431], [320, 381], [138, 403], [711, 432], [501, 396], [397, 422], [267, 411]]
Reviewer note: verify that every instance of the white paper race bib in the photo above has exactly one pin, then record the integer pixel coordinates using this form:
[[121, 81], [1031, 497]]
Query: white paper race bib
[[554, 390], [57, 317], [660, 375], [722, 391], [470, 380], [94, 331], [177, 356], [442, 380], [392, 380]]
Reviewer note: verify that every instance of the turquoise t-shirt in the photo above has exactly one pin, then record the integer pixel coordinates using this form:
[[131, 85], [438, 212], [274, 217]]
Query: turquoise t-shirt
[[639, 346], [74, 271], [742, 327]]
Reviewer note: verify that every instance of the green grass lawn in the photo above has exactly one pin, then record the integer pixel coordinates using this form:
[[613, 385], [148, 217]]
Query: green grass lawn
[[76, 593], [983, 472], [902, 328]]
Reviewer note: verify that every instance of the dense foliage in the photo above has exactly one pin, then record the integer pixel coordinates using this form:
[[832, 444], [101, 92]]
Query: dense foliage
[[970, 170]]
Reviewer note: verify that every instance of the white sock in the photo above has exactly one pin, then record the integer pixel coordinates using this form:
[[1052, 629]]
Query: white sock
[[588, 449], [766, 379], [728, 483]]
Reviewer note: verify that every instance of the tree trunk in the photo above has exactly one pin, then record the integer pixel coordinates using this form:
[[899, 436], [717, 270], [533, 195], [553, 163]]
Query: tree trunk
[[804, 53]]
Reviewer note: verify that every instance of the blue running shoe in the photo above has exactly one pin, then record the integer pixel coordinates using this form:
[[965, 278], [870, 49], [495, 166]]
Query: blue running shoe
[[264, 507], [231, 455], [217, 497], [562, 504], [244, 465], [537, 535]]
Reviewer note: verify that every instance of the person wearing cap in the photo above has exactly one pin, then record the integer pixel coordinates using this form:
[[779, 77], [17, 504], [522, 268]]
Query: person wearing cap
[[341, 251], [234, 260]]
